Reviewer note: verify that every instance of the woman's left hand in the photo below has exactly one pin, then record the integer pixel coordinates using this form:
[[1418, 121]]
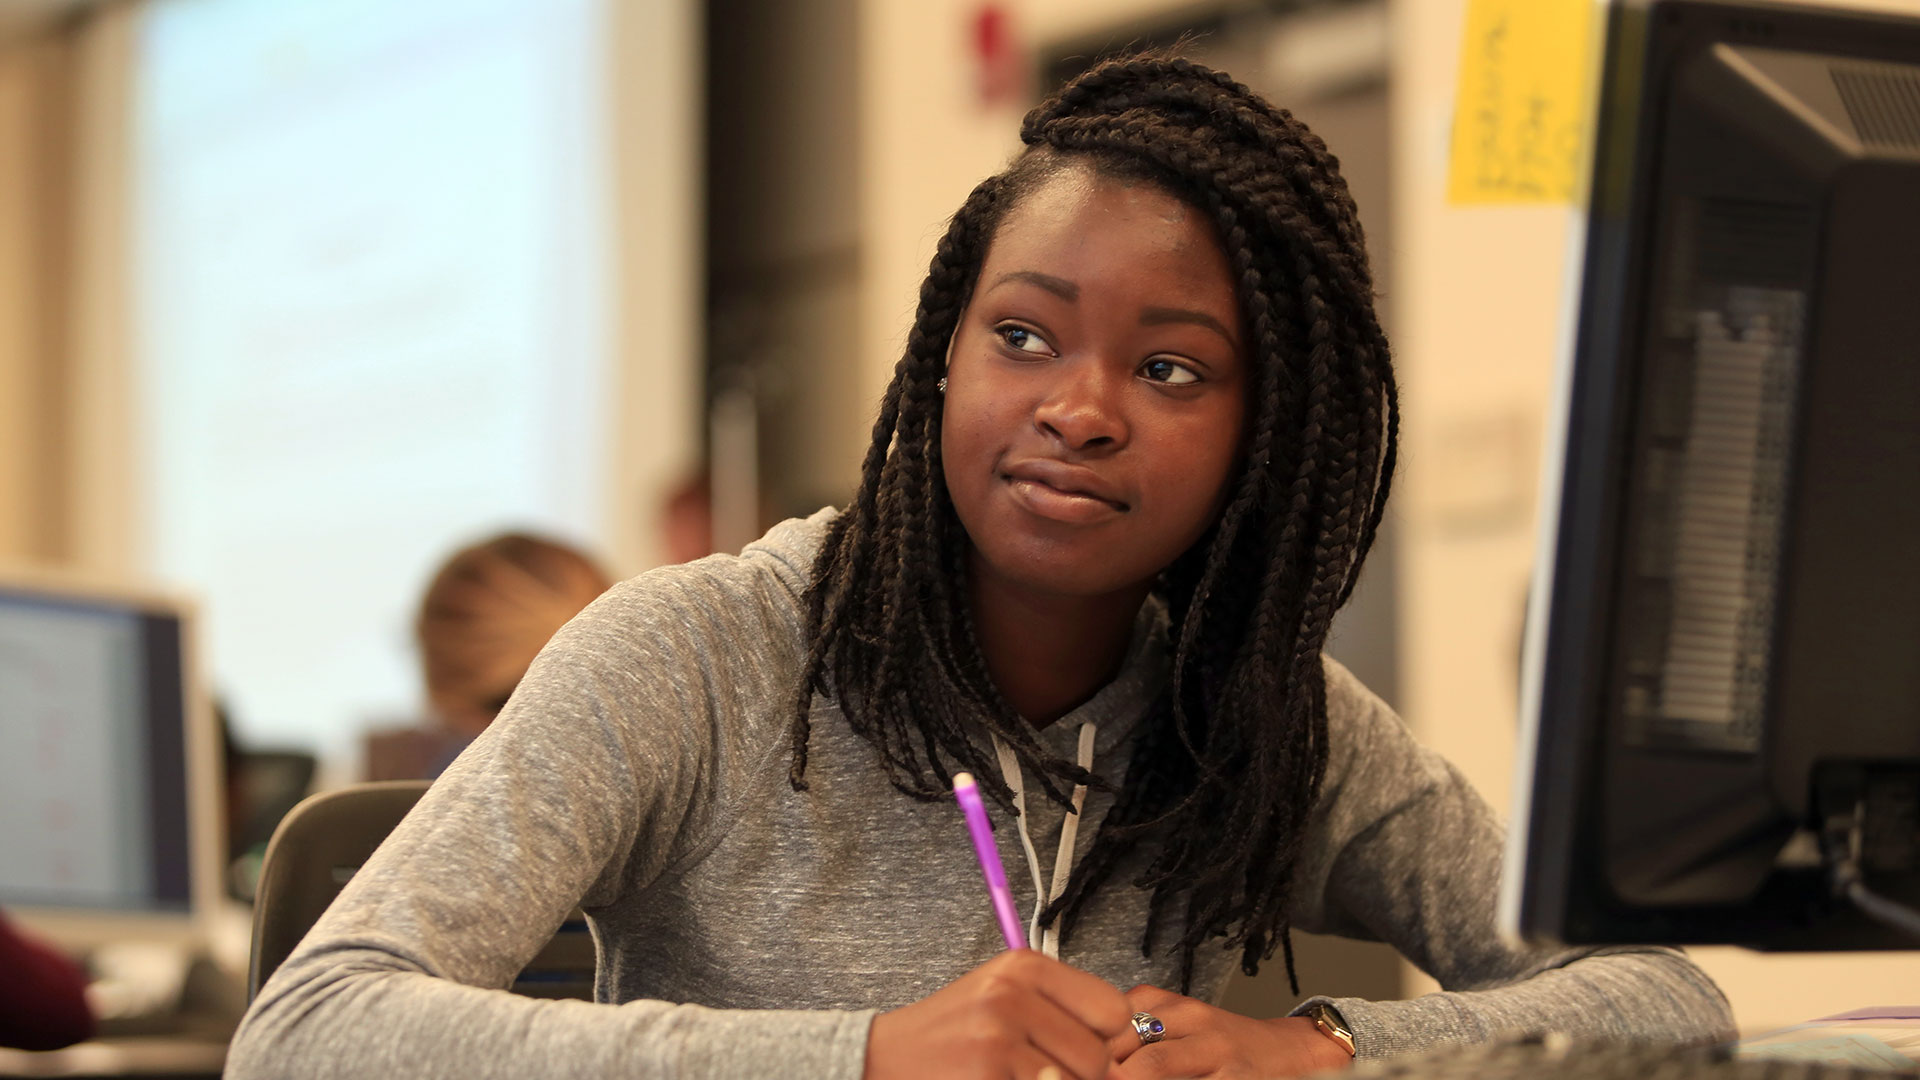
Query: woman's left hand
[[1202, 1041]]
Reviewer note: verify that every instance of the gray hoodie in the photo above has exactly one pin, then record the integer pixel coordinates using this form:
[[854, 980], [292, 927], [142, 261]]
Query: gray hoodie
[[745, 929]]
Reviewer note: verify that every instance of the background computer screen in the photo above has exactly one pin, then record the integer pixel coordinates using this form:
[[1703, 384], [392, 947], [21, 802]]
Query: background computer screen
[[93, 756], [1723, 676]]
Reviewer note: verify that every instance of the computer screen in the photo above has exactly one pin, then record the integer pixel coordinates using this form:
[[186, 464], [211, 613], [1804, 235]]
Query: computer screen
[[108, 792], [1722, 688]]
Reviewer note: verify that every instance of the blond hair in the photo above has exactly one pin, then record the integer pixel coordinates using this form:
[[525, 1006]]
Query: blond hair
[[488, 612]]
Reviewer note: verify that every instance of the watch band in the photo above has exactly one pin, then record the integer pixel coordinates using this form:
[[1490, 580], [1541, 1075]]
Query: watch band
[[1330, 1023]]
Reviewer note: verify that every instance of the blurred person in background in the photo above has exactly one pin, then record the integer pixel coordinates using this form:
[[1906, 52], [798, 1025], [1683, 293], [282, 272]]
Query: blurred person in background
[[487, 612], [686, 518], [43, 999]]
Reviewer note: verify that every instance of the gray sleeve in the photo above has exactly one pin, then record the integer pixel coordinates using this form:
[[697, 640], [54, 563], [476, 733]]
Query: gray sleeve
[[610, 761], [1408, 853]]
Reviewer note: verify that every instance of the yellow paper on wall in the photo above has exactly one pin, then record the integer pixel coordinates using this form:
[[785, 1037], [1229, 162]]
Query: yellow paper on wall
[[1522, 112]]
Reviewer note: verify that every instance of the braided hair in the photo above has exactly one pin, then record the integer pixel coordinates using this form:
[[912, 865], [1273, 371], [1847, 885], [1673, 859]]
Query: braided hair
[[1234, 750]]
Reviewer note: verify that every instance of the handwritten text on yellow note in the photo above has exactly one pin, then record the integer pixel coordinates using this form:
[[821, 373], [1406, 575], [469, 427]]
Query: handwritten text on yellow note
[[1521, 116]]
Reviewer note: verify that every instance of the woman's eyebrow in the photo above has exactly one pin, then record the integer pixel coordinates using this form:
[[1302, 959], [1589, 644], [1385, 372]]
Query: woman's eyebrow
[[1061, 287], [1160, 316]]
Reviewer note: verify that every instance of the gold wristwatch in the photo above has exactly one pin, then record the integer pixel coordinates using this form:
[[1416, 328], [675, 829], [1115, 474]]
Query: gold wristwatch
[[1331, 1024]]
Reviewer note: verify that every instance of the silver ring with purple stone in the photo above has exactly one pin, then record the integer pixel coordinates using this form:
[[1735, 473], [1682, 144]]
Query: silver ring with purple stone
[[1149, 1028]]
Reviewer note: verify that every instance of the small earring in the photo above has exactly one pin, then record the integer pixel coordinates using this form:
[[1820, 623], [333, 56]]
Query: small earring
[[941, 386]]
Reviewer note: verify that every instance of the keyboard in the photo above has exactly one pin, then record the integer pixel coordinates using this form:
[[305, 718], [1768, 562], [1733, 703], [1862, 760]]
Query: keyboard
[[1556, 1057]]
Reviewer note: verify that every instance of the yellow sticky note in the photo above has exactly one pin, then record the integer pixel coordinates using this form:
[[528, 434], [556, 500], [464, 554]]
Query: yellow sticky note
[[1521, 116]]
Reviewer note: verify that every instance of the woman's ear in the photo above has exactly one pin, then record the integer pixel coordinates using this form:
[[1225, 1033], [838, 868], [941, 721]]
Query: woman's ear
[[946, 361]]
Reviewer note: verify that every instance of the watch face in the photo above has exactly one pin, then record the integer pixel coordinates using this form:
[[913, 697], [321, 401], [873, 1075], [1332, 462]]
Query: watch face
[[1332, 1025]]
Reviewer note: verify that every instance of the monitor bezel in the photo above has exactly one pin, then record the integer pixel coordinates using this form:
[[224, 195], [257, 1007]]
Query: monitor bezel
[[79, 929]]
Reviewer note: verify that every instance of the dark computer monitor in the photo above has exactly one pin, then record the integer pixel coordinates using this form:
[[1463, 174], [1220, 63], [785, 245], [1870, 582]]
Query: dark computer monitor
[[109, 774], [1723, 667]]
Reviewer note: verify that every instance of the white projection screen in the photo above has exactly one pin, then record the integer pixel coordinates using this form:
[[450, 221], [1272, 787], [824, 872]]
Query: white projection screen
[[372, 250]]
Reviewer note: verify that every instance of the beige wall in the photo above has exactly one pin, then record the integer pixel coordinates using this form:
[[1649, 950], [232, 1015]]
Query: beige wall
[[35, 77], [100, 475], [655, 63], [1479, 293], [923, 147], [65, 432]]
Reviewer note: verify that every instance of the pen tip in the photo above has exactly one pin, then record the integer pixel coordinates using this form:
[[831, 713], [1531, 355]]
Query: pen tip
[[962, 779]]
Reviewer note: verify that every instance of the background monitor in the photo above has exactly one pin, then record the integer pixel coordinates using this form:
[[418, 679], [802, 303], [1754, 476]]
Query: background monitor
[[1722, 688], [109, 777]]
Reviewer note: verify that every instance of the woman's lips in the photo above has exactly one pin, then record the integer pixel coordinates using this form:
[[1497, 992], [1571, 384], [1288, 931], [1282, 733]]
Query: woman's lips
[[1064, 506]]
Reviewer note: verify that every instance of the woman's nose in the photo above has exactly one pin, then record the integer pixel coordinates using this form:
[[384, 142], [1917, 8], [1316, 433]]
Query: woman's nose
[[1083, 408]]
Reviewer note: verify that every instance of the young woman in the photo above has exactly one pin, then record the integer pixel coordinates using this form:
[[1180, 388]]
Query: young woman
[[1126, 472]]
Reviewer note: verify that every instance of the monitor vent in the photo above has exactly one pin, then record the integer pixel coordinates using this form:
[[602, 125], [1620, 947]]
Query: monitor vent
[[1725, 538], [1712, 490], [1883, 101]]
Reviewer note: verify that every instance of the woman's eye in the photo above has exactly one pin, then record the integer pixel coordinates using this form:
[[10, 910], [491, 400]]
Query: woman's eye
[[1168, 372], [1023, 339]]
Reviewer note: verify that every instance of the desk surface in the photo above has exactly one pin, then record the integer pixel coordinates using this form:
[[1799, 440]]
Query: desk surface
[[147, 1056]]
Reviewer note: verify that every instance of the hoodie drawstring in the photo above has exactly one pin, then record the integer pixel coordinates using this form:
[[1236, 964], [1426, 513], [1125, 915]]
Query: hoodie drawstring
[[1049, 943]]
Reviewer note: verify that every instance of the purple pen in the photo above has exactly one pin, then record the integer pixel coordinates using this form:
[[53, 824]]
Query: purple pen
[[967, 792]]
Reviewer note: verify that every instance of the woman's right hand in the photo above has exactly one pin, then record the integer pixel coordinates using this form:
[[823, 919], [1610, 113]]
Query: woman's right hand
[[1015, 1015]]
